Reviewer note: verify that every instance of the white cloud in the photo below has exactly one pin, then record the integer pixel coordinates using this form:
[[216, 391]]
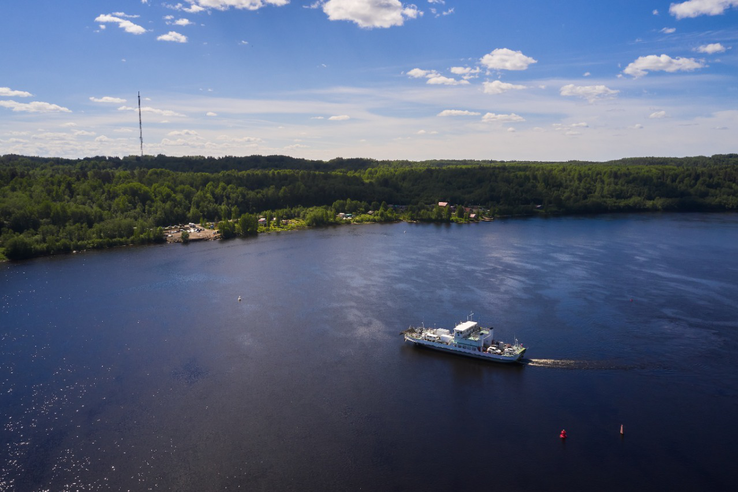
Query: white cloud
[[107, 99], [127, 16], [34, 107], [587, 74], [173, 37], [8, 92], [711, 48], [497, 87], [437, 79], [228, 138], [695, 8], [124, 24], [178, 133], [505, 59], [434, 78], [637, 126], [369, 14], [465, 72], [668, 30], [665, 63], [200, 5], [178, 22], [210, 113], [148, 109], [503, 118], [457, 112], [580, 125], [589, 92], [83, 133], [341, 117], [658, 115], [655, 12], [418, 73]]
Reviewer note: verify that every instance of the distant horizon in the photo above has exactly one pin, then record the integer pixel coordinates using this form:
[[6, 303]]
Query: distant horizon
[[370, 79], [521, 161]]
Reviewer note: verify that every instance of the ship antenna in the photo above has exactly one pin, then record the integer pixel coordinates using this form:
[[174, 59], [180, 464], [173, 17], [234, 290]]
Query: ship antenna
[[140, 126]]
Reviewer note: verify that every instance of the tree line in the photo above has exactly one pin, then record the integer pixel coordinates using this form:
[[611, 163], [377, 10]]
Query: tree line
[[50, 206]]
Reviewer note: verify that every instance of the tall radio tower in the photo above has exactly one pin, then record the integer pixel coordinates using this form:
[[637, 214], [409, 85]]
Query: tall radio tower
[[140, 126]]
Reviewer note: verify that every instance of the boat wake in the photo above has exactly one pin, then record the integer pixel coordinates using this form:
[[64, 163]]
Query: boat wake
[[584, 364]]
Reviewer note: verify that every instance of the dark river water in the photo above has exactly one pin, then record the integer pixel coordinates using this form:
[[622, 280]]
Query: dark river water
[[138, 368]]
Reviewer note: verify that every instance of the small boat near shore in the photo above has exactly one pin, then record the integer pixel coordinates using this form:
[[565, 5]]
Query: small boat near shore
[[468, 338]]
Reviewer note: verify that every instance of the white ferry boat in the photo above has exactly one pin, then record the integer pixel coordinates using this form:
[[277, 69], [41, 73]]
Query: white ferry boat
[[468, 338]]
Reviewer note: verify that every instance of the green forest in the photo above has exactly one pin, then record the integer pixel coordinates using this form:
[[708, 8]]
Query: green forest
[[50, 206]]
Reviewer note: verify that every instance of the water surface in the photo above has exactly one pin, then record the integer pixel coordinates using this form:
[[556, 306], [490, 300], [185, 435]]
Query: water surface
[[138, 368]]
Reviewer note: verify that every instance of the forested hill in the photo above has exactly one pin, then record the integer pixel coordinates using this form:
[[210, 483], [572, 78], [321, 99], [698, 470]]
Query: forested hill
[[277, 162], [50, 205]]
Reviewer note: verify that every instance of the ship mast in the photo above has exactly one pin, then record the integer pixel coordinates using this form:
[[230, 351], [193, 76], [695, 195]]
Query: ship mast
[[140, 126]]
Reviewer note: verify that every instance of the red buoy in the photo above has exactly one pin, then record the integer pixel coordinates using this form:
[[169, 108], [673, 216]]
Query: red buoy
[[563, 434]]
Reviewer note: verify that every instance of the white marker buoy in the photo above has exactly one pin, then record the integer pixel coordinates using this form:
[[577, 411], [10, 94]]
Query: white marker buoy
[[239, 298]]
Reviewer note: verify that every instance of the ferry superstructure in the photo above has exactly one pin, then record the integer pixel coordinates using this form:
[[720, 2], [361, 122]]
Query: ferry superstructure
[[469, 339]]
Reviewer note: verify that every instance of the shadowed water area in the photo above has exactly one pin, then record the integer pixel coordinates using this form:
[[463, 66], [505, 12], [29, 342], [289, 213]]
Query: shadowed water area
[[138, 368]]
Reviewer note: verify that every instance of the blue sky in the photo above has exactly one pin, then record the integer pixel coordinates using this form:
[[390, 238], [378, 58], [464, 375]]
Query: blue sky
[[386, 79]]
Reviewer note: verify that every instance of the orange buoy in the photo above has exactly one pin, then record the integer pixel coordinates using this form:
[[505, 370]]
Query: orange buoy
[[563, 434]]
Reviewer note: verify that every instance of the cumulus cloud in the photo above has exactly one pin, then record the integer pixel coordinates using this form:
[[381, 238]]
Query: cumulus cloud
[[148, 109], [502, 118], [589, 92], [210, 113], [107, 99], [119, 18], [178, 22], [228, 138], [657, 115], [369, 14], [200, 5], [457, 112], [664, 63], [172, 36], [8, 92], [497, 87], [437, 79], [34, 107], [465, 72], [418, 73], [178, 133], [340, 117], [668, 30], [695, 8], [505, 59], [711, 48], [434, 78]]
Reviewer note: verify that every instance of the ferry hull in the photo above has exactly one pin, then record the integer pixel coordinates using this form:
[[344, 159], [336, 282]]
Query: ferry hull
[[503, 359]]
